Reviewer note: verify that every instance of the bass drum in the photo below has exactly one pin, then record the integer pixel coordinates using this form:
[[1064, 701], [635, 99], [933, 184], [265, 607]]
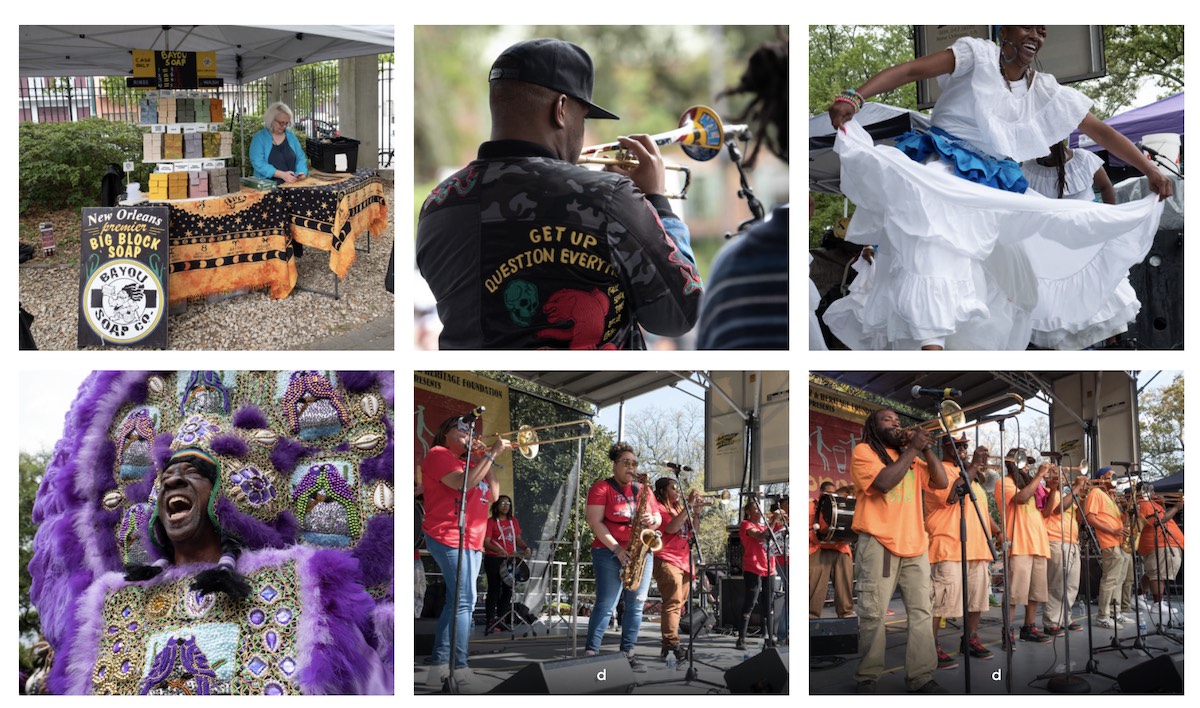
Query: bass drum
[[513, 571], [835, 515]]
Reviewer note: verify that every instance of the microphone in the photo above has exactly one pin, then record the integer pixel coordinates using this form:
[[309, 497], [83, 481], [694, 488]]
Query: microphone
[[1146, 149], [1053, 454], [474, 415], [670, 465], [918, 391], [1119, 463]]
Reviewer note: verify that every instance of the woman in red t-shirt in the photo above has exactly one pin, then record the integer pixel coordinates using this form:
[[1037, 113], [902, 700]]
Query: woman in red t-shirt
[[672, 563], [757, 568], [442, 475], [500, 543]]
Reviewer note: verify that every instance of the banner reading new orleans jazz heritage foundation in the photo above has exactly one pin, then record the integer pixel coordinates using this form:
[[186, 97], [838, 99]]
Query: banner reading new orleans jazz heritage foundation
[[438, 395]]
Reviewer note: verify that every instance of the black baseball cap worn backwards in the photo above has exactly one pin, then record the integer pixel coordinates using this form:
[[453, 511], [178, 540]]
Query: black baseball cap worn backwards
[[554, 64]]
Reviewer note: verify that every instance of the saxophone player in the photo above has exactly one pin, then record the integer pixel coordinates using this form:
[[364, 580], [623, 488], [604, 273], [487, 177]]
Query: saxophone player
[[613, 514]]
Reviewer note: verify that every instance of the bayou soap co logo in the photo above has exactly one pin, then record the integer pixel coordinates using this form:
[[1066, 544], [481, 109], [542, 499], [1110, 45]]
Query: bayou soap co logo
[[124, 254]]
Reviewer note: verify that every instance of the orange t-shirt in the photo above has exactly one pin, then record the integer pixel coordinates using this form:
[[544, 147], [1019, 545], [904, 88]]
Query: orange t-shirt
[[1024, 525], [1063, 520], [813, 544], [1105, 509], [895, 519], [1173, 538], [942, 523]]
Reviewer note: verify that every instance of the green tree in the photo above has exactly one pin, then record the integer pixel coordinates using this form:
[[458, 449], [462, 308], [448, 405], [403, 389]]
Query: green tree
[[1135, 54], [1161, 422], [31, 469]]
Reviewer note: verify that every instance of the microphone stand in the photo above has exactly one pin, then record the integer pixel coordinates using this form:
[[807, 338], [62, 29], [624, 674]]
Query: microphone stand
[[1170, 539], [1005, 615], [756, 207], [694, 553], [451, 682], [768, 593], [1065, 682]]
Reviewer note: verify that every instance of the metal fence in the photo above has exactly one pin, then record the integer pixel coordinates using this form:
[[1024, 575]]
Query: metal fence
[[313, 87]]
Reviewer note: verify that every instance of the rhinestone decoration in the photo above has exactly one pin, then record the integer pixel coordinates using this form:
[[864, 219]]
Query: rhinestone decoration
[[253, 485], [196, 430]]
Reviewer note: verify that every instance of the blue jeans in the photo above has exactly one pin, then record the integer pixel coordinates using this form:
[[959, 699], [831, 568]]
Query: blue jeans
[[782, 621], [447, 560], [608, 590]]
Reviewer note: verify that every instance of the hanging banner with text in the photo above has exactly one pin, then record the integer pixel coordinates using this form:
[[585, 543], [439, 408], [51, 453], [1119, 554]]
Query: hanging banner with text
[[123, 276], [174, 70], [438, 395]]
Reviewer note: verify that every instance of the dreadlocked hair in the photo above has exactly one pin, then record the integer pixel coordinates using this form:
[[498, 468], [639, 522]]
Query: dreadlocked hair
[[1059, 151], [766, 78], [875, 436], [224, 578]]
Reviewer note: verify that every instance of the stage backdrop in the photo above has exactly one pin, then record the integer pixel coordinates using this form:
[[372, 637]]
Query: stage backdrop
[[725, 429], [437, 395]]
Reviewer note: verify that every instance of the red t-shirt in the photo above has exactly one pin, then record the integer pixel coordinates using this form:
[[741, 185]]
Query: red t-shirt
[[441, 502], [754, 553], [619, 508], [503, 533], [675, 545]]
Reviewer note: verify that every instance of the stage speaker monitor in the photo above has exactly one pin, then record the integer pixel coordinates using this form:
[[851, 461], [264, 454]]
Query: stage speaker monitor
[[766, 672], [733, 591], [697, 622], [423, 632], [1159, 675], [606, 673], [829, 637]]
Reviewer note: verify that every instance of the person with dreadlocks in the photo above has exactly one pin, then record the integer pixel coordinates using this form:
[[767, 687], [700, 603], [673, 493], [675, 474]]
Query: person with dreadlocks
[[746, 304], [890, 468], [965, 260]]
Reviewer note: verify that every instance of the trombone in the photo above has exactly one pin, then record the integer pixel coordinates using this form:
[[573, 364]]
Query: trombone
[[526, 439], [952, 418], [700, 133]]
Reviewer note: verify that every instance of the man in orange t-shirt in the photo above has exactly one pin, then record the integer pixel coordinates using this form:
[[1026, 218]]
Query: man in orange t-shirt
[[943, 522], [1161, 543], [1029, 546], [893, 547], [1061, 514], [824, 560], [1105, 519]]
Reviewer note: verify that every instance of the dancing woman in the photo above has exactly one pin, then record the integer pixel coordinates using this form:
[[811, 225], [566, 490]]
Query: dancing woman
[[969, 268]]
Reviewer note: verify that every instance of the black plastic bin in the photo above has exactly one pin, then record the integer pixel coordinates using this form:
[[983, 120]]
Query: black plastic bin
[[321, 153]]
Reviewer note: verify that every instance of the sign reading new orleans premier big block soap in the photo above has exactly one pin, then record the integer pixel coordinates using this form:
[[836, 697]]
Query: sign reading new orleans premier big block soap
[[123, 276]]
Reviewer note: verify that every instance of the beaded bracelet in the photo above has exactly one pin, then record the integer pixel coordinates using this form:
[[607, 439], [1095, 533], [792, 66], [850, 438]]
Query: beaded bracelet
[[845, 99], [854, 95], [490, 456]]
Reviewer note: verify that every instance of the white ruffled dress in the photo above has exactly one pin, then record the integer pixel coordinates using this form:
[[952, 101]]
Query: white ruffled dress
[[971, 267]]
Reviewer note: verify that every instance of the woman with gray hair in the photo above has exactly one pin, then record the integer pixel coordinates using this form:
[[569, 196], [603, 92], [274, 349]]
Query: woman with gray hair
[[275, 152]]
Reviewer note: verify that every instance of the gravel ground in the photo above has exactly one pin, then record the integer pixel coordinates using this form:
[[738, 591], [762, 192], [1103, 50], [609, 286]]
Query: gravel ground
[[245, 322]]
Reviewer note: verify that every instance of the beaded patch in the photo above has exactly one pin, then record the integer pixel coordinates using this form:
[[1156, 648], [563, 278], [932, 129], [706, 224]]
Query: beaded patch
[[167, 639], [134, 437], [205, 392], [326, 503], [311, 406]]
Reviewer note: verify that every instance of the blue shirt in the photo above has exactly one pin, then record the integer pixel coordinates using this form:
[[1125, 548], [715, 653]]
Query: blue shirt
[[260, 152]]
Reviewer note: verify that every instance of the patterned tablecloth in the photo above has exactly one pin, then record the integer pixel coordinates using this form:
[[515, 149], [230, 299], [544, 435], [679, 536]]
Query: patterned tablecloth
[[244, 240], [329, 211]]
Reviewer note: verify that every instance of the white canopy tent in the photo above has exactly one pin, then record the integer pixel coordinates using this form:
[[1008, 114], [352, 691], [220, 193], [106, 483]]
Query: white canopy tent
[[244, 52]]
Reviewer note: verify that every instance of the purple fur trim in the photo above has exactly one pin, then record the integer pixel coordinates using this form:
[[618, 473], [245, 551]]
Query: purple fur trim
[[139, 491], [375, 551], [387, 386], [255, 533], [383, 620], [161, 450], [356, 381], [250, 418], [383, 465], [102, 468], [286, 454], [331, 632], [230, 445]]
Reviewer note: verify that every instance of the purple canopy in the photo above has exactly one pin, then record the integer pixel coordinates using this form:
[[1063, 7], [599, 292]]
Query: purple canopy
[[1165, 116]]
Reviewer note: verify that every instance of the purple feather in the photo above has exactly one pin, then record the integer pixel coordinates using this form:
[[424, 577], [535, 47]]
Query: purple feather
[[230, 445], [249, 418], [356, 381], [253, 532], [286, 454], [375, 551]]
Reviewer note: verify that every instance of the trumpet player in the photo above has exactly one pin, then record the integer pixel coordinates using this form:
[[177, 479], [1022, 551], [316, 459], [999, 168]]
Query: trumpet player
[[524, 249], [618, 508], [890, 469], [758, 569], [1160, 544], [1102, 512], [1061, 514], [1029, 545]]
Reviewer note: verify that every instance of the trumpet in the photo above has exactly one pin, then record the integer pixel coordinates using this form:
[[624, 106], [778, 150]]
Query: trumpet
[[526, 439], [700, 133]]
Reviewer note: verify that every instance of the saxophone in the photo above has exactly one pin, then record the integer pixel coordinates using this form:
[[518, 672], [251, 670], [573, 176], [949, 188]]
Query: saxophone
[[642, 542]]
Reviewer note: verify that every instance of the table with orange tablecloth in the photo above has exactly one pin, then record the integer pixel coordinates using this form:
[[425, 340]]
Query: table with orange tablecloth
[[329, 211]]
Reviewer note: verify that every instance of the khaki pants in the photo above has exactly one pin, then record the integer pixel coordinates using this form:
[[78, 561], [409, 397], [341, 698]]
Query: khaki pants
[[1127, 585], [879, 572], [1058, 608], [821, 565], [1114, 566], [673, 586]]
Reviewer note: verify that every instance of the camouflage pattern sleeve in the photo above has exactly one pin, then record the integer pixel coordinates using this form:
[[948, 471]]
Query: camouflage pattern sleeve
[[652, 251]]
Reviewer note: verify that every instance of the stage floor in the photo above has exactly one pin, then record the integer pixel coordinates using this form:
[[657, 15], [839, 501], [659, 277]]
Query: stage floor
[[498, 656], [835, 675]]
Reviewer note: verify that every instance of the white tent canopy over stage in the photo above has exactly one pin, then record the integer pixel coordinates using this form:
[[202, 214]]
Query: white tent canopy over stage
[[244, 52]]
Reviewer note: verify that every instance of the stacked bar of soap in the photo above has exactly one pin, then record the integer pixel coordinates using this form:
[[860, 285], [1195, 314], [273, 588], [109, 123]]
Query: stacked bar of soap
[[166, 110], [173, 146], [152, 147], [197, 184], [147, 111], [193, 146], [216, 110], [212, 144], [177, 185], [203, 110], [158, 186], [218, 183]]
